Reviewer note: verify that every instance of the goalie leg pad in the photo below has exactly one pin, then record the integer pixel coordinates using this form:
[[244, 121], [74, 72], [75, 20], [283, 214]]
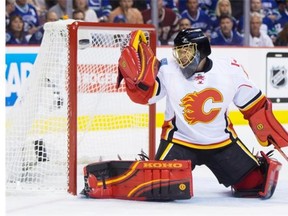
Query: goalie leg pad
[[261, 182], [250, 185], [271, 168], [266, 127], [139, 180]]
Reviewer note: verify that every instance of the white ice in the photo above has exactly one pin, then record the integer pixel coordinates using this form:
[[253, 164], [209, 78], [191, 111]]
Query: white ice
[[209, 198]]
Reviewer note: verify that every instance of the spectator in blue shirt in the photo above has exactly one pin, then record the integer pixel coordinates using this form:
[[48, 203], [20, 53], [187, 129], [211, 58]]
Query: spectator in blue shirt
[[208, 6], [29, 14], [282, 14], [269, 4], [226, 35], [197, 17], [223, 7], [102, 8], [15, 31]]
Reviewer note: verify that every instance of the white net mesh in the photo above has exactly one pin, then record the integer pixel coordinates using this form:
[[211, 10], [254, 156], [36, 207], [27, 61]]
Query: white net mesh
[[109, 124]]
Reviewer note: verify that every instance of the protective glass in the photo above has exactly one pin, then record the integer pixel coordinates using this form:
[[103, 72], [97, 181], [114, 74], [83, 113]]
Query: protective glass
[[185, 54]]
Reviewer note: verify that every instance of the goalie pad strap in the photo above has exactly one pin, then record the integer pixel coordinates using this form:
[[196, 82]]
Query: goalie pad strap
[[139, 180], [266, 127]]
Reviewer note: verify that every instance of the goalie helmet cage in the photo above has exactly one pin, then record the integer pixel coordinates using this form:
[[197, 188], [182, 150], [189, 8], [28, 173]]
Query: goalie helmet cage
[[69, 111]]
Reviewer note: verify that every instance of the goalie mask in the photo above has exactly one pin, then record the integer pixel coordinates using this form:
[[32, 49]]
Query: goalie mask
[[190, 47]]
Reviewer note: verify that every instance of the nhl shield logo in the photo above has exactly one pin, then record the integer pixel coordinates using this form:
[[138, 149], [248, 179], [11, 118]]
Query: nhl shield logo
[[278, 76]]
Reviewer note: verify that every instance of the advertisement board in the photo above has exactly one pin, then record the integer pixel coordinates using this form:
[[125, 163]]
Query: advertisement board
[[19, 64]]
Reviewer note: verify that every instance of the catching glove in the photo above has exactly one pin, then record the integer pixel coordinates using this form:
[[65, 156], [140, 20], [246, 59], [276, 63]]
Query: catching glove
[[138, 66]]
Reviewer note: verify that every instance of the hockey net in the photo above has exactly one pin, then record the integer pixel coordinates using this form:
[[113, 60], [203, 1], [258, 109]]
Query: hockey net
[[69, 112]]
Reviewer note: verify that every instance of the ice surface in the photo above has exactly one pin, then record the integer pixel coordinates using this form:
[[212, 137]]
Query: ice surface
[[210, 198]]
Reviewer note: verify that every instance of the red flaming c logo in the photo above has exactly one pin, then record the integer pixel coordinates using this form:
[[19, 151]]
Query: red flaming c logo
[[193, 104]]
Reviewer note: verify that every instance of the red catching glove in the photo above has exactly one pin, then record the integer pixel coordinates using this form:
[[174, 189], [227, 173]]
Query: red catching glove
[[139, 67]]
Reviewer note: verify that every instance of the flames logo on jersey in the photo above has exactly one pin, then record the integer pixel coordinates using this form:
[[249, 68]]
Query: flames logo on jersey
[[194, 104]]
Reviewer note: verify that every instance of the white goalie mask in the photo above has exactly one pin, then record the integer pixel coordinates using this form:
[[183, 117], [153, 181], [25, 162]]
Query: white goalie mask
[[190, 47], [185, 54], [188, 58]]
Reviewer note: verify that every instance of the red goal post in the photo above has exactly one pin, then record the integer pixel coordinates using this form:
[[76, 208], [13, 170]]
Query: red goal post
[[71, 95], [73, 88]]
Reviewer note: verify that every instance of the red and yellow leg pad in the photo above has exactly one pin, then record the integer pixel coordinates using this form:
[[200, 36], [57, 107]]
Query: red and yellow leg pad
[[139, 180], [261, 182], [271, 177]]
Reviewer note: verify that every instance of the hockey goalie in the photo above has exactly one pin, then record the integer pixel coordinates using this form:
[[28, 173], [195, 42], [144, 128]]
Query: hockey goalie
[[198, 91]]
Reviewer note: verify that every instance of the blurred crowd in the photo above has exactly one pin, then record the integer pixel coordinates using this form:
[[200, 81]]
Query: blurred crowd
[[221, 20]]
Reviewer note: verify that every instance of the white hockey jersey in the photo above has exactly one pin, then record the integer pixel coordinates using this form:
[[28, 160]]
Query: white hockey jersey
[[196, 112]]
